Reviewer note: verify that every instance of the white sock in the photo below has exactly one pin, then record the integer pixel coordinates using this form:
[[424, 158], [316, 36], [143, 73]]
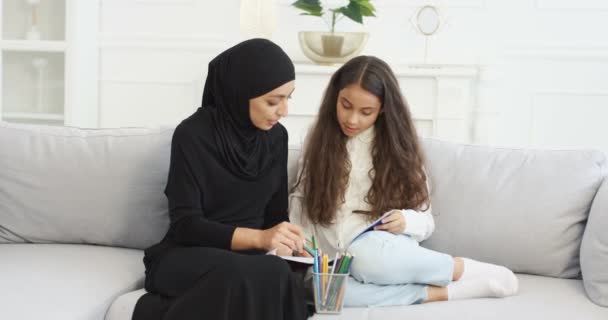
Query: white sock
[[476, 269], [481, 279], [474, 288]]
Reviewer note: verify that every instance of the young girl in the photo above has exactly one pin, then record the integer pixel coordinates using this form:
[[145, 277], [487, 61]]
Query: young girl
[[362, 159]]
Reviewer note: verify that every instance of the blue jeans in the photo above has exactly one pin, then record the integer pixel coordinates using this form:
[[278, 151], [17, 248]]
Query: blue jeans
[[390, 270]]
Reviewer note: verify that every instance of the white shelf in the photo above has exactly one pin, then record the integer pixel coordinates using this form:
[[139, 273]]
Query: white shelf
[[32, 116], [69, 30], [417, 70], [33, 46]]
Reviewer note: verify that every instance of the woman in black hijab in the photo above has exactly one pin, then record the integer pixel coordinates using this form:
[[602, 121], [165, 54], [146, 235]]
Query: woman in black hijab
[[227, 192]]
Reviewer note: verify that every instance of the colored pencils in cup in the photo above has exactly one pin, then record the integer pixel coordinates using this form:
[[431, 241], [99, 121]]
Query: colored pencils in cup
[[315, 278], [333, 269], [323, 278], [346, 270], [330, 282]]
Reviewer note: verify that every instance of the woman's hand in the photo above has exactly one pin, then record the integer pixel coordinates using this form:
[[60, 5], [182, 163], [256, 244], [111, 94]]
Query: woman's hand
[[393, 223], [285, 237], [304, 253]]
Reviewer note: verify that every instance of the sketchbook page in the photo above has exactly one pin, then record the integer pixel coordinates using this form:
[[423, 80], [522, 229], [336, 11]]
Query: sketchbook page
[[371, 227], [304, 260]]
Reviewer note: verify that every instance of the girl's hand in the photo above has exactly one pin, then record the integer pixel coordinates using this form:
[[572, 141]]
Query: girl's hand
[[393, 223], [285, 237]]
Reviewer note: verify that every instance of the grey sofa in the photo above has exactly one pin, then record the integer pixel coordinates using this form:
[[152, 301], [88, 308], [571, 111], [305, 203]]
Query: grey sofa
[[78, 206]]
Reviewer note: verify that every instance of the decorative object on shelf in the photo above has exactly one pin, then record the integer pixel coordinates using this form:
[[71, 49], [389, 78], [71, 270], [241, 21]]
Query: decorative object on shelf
[[50, 62], [258, 18], [33, 33], [428, 20], [40, 87], [334, 47]]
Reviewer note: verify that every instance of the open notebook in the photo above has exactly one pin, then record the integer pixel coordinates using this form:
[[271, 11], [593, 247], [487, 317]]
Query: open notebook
[[371, 226], [310, 260], [304, 260]]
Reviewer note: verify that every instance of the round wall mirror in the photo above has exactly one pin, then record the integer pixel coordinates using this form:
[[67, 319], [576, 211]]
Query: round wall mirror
[[428, 20]]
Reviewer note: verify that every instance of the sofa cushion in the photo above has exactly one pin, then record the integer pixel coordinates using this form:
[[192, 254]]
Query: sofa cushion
[[50, 281], [525, 209], [91, 186], [292, 164], [594, 249], [123, 306], [539, 298]]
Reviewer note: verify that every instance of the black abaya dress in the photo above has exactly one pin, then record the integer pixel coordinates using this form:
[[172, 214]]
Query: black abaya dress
[[192, 274]]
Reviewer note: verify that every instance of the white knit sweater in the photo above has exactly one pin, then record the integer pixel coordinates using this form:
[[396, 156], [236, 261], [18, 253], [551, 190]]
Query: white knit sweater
[[337, 236]]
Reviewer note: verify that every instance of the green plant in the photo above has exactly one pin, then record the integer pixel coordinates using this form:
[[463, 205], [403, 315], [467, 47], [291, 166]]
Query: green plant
[[353, 9]]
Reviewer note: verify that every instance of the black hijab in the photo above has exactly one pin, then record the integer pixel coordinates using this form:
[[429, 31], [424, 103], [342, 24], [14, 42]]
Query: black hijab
[[248, 70]]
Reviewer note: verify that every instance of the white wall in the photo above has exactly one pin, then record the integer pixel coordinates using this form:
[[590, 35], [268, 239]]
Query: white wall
[[543, 63]]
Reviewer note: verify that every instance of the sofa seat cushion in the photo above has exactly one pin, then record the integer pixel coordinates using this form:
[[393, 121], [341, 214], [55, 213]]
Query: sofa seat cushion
[[539, 298], [123, 306], [63, 282]]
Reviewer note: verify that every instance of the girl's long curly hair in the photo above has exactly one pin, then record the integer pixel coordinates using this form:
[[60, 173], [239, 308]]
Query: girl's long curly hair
[[399, 180]]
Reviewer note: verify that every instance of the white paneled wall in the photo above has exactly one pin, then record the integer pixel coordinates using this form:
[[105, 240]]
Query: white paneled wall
[[154, 56], [543, 64]]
